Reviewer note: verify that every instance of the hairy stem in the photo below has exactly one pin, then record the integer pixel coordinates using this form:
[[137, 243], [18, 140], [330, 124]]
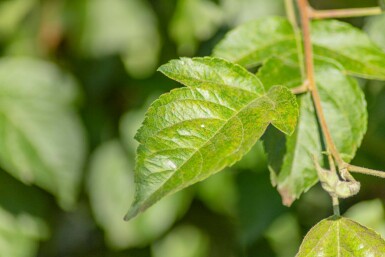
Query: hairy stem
[[366, 171], [305, 20], [343, 13]]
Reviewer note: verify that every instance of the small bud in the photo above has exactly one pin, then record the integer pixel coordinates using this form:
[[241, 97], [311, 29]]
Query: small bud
[[346, 189]]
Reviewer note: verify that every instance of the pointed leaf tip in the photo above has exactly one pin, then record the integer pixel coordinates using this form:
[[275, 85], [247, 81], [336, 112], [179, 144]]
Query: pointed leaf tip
[[132, 212]]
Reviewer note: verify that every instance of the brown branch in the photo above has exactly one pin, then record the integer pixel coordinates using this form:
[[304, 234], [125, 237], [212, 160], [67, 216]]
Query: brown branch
[[305, 20], [343, 13]]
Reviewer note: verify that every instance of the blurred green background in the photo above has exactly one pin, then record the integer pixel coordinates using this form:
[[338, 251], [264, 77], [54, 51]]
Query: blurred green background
[[76, 77]]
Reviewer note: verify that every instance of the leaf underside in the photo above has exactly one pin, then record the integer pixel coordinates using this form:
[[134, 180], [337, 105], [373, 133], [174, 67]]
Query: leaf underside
[[338, 236], [196, 131]]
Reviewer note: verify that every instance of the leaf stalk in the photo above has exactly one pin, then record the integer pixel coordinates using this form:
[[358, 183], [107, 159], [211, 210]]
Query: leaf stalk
[[343, 13], [366, 171]]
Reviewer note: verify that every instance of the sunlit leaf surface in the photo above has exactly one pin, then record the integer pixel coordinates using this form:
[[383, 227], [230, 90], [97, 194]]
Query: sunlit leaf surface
[[338, 236]]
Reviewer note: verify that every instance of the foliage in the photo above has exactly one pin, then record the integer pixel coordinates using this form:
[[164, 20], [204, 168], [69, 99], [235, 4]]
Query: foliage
[[341, 237], [77, 79]]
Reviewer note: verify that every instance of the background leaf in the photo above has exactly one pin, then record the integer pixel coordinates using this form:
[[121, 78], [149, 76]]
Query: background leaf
[[187, 28], [111, 187], [42, 139], [284, 235], [183, 241], [374, 28], [23, 214], [370, 214], [120, 27], [241, 11], [196, 131], [338, 236]]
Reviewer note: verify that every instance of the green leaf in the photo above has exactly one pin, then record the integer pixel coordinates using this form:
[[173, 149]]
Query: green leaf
[[382, 4], [110, 184], [196, 131], [344, 105], [338, 236], [349, 46], [183, 241], [128, 28], [374, 27], [11, 15], [19, 235], [369, 213], [256, 41], [42, 139], [187, 28], [284, 235], [22, 212]]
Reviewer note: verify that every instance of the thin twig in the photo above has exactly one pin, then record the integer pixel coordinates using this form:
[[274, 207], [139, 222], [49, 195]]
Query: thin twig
[[305, 20], [343, 13], [366, 171], [336, 206]]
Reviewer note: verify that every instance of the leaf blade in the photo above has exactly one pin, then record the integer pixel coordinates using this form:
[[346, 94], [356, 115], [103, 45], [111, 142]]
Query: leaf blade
[[43, 139], [338, 236], [350, 47], [254, 42], [194, 132]]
